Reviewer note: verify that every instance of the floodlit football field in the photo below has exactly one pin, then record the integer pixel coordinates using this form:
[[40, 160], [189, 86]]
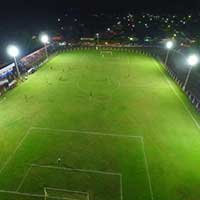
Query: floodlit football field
[[95, 125]]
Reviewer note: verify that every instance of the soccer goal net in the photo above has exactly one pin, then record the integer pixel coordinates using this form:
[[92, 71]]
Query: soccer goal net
[[64, 194], [105, 53]]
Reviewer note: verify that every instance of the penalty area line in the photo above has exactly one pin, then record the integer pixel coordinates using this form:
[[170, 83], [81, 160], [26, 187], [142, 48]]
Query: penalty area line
[[86, 132], [65, 190], [96, 171], [76, 169]]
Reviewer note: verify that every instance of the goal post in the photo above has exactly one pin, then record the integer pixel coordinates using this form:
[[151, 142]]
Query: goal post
[[106, 52], [45, 193]]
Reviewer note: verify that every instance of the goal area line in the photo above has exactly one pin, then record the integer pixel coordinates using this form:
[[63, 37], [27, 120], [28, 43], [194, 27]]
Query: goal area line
[[77, 170], [87, 195], [74, 170], [65, 190]]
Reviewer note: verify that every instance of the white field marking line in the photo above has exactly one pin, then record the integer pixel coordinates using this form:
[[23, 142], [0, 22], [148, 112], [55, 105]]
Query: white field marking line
[[16, 149], [77, 170], [59, 198], [178, 96], [24, 178], [68, 191], [121, 187], [55, 131], [65, 190], [147, 170], [33, 195], [58, 190]]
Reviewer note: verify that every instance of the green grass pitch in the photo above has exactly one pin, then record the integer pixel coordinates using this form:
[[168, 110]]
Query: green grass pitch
[[121, 127]]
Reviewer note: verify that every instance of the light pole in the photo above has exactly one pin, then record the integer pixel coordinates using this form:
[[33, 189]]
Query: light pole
[[13, 51], [97, 36], [192, 61], [131, 40], [45, 40], [169, 46]]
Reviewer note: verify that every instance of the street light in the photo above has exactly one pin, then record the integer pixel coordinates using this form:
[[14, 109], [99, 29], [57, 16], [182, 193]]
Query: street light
[[169, 45], [45, 40], [192, 61], [13, 51]]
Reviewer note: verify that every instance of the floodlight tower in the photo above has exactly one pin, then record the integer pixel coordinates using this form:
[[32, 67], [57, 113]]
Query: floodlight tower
[[97, 36], [45, 40], [13, 51], [131, 39], [169, 45], [192, 61]]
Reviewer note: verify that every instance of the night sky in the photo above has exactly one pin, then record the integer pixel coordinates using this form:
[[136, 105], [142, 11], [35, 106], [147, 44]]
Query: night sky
[[19, 16], [13, 11], [35, 14]]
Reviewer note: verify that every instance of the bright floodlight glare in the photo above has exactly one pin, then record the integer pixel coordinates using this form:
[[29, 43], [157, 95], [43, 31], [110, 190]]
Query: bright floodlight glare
[[131, 39], [12, 51], [169, 44], [192, 60], [44, 39]]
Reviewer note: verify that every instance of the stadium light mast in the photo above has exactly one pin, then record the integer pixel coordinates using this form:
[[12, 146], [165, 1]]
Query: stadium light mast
[[97, 36], [169, 45], [45, 40], [192, 61], [13, 51]]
